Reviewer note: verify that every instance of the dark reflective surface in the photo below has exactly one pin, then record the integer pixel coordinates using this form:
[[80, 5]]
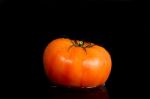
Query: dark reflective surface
[[63, 93]]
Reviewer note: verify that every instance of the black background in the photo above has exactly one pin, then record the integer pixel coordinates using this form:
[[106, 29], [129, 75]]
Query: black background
[[121, 26]]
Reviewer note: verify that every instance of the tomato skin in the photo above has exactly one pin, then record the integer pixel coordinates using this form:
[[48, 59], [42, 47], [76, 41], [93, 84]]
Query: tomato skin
[[73, 66]]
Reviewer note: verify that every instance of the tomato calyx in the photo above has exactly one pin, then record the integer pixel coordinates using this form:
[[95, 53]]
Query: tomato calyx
[[81, 44]]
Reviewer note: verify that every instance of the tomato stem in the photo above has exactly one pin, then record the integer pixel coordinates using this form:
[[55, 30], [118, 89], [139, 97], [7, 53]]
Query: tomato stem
[[81, 43]]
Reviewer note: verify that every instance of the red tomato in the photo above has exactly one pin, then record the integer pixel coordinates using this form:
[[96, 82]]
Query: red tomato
[[79, 64]]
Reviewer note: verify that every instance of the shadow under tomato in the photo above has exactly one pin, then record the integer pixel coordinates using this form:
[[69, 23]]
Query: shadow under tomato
[[66, 93]]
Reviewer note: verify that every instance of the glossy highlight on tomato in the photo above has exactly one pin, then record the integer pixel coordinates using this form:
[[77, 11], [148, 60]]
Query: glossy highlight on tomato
[[74, 63]]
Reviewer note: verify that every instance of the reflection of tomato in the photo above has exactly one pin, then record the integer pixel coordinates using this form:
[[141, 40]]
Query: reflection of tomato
[[76, 63]]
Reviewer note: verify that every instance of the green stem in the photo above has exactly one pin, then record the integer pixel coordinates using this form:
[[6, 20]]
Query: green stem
[[81, 43]]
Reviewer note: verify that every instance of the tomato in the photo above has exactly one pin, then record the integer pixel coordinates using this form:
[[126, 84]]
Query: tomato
[[74, 63]]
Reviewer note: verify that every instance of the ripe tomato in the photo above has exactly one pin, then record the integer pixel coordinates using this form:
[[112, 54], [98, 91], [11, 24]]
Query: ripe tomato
[[74, 63]]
